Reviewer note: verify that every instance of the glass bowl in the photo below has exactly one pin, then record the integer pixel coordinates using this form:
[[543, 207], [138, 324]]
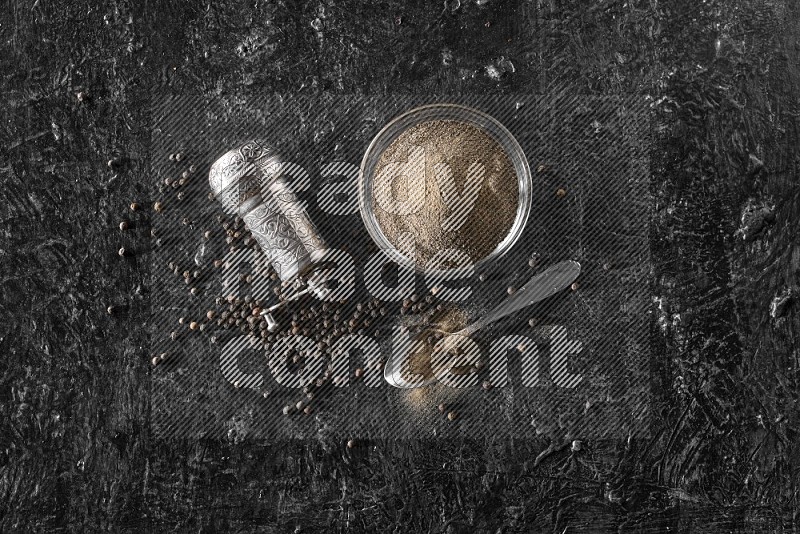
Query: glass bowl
[[446, 112]]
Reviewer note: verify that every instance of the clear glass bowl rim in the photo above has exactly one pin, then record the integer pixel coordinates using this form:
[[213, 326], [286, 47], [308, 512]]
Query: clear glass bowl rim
[[458, 113]]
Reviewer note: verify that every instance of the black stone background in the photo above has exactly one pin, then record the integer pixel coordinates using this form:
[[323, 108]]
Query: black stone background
[[76, 452]]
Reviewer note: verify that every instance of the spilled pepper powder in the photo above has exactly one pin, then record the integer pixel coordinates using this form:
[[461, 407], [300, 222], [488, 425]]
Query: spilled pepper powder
[[461, 163]]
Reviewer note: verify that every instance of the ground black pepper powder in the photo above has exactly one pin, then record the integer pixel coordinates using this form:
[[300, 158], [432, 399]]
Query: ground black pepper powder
[[459, 145]]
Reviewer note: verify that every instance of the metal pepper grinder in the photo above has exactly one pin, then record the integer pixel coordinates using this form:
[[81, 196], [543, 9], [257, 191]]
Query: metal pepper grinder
[[249, 182]]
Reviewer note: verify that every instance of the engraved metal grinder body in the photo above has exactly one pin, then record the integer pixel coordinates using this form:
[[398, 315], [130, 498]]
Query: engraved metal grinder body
[[249, 183]]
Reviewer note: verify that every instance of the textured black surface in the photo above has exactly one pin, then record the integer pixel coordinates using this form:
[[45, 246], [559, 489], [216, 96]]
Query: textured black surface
[[76, 452]]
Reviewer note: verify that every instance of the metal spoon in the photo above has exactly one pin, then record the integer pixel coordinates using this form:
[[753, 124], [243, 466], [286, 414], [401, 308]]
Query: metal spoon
[[543, 285]]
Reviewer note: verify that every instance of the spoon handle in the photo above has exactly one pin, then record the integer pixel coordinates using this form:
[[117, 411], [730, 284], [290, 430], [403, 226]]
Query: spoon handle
[[541, 286]]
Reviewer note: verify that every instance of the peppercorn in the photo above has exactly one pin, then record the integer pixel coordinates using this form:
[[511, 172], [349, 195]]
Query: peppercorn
[[122, 252], [561, 192], [123, 225], [193, 325], [351, 443], [134, 206], [451, 416], [158, 206]]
